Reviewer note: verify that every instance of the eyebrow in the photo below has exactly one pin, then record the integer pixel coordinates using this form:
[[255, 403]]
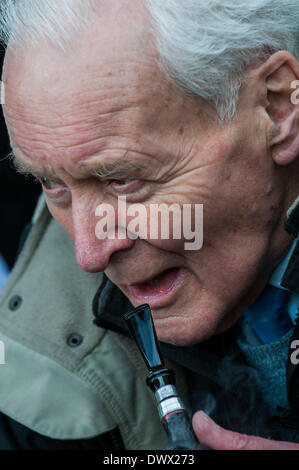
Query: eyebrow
[[117, 169], [25, 169]]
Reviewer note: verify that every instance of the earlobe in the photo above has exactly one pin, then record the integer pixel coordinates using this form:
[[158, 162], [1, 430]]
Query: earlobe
[[286, 143], [281, 72]]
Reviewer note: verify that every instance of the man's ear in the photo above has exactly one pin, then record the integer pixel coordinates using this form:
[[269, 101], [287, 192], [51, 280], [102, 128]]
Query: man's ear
[[281, 73]]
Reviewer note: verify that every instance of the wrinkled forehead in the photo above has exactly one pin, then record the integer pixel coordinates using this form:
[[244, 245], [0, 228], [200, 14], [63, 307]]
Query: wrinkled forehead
[[99, 96], [69, 94], [104, 72], [113, 46], [105, 92]]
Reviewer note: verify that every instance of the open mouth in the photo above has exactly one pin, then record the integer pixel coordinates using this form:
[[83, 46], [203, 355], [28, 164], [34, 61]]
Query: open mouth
[[159, 286]]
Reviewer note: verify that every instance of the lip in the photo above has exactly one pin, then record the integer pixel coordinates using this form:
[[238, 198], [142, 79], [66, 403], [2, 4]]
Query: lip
[[157, 295]]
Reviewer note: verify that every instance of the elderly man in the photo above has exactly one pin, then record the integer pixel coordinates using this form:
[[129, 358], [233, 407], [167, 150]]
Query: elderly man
[[160, 102]]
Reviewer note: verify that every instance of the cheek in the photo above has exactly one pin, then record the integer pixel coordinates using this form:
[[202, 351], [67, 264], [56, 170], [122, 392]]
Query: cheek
[[64, 218], [177, 229]]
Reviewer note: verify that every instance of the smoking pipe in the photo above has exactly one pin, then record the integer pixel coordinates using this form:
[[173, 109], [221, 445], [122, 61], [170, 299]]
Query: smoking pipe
[[172, 411]]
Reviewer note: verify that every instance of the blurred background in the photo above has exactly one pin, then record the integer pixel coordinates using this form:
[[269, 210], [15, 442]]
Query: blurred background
[[18, 197]]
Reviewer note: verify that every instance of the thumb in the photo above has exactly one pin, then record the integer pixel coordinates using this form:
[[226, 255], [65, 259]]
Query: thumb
[[218, 438]]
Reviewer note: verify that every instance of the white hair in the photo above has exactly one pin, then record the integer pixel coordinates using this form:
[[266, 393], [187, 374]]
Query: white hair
[[206, 46], [55, 20]]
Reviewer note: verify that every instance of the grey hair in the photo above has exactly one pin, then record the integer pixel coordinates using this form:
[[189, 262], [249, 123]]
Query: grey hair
[[55, 20], [206, 46]]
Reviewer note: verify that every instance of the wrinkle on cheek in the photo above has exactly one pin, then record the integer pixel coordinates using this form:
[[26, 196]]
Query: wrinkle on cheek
[[164, 231]]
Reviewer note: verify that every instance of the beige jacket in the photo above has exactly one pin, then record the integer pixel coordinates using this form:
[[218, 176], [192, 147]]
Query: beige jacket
[[50, 385]]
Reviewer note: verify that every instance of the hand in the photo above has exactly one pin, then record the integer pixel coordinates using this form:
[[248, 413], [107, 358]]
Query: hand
[[214, 437]]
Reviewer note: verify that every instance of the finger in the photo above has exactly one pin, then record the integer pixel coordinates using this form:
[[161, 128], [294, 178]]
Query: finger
[[217, 438]]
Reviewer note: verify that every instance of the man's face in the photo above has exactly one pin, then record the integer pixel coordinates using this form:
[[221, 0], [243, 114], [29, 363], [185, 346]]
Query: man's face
[[71, 115]]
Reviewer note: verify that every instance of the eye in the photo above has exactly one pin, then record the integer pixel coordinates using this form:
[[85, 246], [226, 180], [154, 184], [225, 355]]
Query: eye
[[48, 184], [121, 182], [127, 185]]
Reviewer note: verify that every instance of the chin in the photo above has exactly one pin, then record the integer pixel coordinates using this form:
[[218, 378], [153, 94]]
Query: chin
[[195, 324], [182, 332]]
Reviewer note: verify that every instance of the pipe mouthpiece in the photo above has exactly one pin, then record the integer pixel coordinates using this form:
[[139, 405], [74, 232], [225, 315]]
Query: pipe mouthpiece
[[140, 324]]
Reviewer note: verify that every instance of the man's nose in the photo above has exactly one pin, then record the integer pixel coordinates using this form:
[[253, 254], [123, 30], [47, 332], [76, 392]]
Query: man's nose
[[94, 254]]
